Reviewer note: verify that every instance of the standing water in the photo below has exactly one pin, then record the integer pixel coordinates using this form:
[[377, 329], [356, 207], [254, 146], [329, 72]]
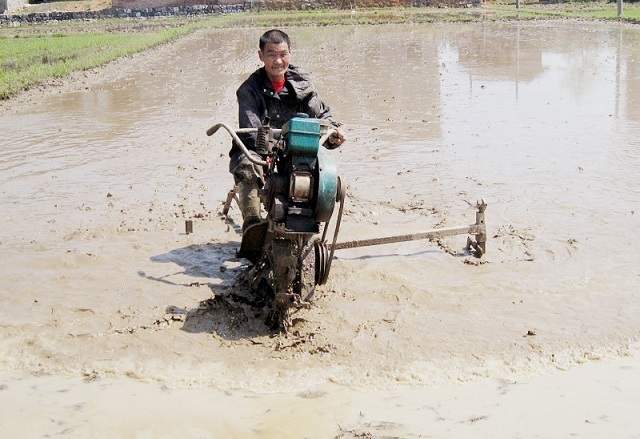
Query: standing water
[[540, 120]]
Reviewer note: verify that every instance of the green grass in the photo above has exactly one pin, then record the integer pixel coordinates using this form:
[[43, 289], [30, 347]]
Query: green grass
[[347, 17], [31, 54], [26, 61], [582, 10]]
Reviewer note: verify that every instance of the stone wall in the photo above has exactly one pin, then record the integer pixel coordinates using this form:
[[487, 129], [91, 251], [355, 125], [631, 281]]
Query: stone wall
[[143, 4], [41, 17], [289, 4], [155, 8], [8, 6]]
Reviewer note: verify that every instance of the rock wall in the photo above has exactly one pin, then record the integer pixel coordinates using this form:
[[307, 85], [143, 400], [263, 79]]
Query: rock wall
[[144, 4], [121, 13], [290, 4], [156, 8]]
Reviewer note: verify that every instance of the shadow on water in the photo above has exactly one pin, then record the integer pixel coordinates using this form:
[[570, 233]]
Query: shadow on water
[[203, 261], [235, 311], [391, 255]]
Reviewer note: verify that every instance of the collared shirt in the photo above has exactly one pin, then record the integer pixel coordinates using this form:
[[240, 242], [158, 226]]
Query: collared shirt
[[257, 100]]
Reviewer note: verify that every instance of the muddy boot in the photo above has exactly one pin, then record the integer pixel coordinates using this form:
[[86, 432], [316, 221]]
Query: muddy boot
[[253, 228], [249, 202]]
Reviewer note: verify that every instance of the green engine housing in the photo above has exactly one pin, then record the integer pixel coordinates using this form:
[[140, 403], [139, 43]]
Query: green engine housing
[[303, 136], [306, 156], [327, 187]]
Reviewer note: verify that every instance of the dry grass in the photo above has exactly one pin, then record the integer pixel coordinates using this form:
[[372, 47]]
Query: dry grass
[[582, 9], [66, 6]]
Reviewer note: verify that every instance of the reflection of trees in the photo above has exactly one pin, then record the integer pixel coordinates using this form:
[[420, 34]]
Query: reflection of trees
[[628, 54], [375, 73], [202, 72], [584, 55], [520, 53], [500, 52], [517, 52]]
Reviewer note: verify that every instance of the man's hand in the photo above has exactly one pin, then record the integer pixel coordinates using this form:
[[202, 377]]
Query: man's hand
[[336, 139]]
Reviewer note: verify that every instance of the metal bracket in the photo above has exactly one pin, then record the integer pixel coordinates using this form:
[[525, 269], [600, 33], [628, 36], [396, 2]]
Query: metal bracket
[[479, 246], [230, 197]]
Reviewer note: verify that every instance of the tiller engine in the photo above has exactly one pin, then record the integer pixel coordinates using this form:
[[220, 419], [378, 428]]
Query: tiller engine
[[300, 193]]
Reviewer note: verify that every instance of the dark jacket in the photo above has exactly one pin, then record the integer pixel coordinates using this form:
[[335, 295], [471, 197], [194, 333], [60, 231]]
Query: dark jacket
[[257, 99]]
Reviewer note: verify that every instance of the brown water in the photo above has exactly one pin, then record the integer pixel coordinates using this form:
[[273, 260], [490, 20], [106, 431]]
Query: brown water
[[540, 120], [499, 111]]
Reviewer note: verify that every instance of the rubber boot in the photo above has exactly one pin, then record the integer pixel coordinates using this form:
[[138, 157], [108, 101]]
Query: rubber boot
[[249, 202]]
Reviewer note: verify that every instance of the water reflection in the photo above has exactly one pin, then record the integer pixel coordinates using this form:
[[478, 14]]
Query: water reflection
[[628, 71], [135, 109], [391, 78], [415, 83], [500, 53]]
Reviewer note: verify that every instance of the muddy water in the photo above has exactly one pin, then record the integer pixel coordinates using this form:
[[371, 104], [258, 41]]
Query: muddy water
[[561, 406], [540, 120]]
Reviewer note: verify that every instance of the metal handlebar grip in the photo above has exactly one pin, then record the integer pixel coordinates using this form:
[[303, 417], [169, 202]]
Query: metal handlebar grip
[[238, 142]]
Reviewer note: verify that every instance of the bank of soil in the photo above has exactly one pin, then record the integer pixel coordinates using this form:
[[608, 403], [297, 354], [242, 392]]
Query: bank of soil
[[100, 284]]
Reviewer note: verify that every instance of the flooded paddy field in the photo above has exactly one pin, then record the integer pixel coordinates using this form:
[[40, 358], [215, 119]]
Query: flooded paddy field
[[106, 300]]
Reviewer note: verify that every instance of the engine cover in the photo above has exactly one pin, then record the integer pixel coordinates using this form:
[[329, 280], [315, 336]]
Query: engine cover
[[327, 177], [312, 178]]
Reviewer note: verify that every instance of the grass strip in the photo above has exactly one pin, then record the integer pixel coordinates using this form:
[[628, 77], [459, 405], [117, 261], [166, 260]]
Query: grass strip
[[25, 62], [580, 10], [348, 17]]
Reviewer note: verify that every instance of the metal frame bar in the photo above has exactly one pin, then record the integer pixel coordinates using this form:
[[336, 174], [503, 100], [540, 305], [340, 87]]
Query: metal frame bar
[[478, 229]]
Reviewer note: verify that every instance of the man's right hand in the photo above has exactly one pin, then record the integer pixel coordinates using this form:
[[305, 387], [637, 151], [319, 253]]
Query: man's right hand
[[336, 138]]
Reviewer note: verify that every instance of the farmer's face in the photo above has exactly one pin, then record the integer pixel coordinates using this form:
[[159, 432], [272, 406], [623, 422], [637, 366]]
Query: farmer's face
[[276, 59]]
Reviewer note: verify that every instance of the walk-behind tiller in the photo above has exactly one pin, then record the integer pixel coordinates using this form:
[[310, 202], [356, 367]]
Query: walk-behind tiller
[[299, 195]]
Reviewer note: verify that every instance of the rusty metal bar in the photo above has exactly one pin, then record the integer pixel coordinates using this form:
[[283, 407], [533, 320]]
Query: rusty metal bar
[[431, 234], [478, 229]]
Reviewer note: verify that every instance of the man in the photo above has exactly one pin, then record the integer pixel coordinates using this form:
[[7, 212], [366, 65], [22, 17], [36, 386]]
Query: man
[[276, 91]]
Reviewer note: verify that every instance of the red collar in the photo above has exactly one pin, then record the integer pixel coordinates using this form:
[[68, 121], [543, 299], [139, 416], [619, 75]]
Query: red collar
[[278, 85]]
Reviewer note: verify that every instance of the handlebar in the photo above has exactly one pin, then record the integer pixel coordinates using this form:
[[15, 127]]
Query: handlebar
[[211, 131], [275, 131]]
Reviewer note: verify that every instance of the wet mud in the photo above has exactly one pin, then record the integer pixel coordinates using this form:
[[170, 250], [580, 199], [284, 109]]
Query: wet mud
[[97, 177]]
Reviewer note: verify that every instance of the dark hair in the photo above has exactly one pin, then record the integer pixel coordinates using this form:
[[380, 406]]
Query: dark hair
[[274, 36]]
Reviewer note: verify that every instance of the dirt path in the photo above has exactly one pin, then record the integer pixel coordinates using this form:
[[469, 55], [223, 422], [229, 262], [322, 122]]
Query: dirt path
[[97, 177]]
